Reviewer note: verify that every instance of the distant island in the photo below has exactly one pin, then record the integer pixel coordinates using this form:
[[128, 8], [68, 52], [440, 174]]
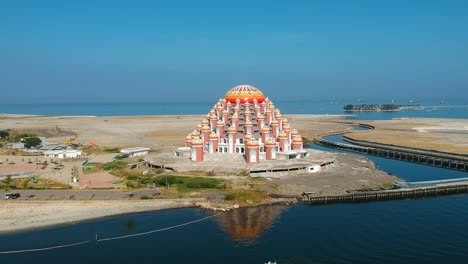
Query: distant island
[[372, 107]]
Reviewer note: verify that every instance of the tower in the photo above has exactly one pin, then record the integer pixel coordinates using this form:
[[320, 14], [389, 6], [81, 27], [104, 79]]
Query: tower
[[297, 143], [252, 151], [283, 141], [260, 121], [270, 149], [188, 140], [265, 134], [213, 145], [232, 131], [220, 128], [197, 149], [248, 127]]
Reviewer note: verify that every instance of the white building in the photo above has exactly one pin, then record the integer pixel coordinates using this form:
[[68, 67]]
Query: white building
[[62, 154], [133, 152]]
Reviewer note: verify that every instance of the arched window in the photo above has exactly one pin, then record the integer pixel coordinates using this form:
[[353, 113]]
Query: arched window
[[237, 150], [225, 149], [242, 150]]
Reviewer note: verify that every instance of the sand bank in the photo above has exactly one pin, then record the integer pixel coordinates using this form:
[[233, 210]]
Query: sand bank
[[22, 215]]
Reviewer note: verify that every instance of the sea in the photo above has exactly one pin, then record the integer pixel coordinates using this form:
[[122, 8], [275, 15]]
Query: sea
[[429, 230]]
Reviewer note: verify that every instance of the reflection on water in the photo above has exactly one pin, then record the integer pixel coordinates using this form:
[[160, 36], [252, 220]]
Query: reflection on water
[[247, 224]]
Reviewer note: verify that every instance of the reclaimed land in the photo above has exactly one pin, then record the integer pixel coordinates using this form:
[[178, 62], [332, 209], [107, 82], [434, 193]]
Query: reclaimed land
[[350, 173]]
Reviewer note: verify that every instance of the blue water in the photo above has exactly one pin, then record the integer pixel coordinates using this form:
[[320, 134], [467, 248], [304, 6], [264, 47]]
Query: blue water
[[413, 231], [155, 108], [410, 231], [405, 170]]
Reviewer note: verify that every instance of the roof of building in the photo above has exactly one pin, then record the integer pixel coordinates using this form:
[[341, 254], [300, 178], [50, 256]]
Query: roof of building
[[133, 150], [245, 93]]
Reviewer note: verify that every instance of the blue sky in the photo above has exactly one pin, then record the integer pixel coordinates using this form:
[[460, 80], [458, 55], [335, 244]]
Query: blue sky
[[196, 50]]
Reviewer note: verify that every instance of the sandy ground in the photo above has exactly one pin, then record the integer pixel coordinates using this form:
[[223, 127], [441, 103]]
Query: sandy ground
[[20, 215], [449, 135], [162, 133], [102, 179], [350, 173]]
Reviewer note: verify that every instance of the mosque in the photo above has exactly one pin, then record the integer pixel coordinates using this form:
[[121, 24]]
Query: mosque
[[246, 123]]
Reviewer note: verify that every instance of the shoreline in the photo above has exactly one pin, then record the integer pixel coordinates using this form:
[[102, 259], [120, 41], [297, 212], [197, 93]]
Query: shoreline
[[21, 216]]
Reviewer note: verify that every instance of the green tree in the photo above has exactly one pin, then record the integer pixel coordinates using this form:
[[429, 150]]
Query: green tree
[[6, 183], [30, 142], [25, 184], [4, 134], [348, 107]]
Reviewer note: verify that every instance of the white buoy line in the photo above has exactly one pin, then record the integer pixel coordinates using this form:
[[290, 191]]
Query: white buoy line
[[106, 239]]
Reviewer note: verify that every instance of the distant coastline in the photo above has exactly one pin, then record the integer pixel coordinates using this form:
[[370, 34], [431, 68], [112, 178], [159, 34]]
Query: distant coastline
[[377, 107]]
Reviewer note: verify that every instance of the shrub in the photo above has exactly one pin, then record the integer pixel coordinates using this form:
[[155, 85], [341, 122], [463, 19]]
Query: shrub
[[115, 165], [31, 142], [229, 197]]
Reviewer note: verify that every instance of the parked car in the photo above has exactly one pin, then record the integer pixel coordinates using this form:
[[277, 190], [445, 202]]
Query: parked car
[[12, 196]]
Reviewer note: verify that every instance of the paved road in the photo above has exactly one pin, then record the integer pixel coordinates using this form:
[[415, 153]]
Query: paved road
[[77, 194]]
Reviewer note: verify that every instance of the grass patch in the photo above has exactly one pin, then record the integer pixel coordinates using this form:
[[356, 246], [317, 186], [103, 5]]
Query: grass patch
[[111, 150], [197, 183], [245, 196], [115, 165]]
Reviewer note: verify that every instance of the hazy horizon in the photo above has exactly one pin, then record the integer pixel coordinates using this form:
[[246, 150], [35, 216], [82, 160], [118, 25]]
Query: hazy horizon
[[152, 51]]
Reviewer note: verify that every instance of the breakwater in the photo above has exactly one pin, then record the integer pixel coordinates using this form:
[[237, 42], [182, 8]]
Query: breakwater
[[385, 195]]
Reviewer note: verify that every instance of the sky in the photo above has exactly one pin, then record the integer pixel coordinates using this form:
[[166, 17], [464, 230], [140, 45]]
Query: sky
[[154, 51]]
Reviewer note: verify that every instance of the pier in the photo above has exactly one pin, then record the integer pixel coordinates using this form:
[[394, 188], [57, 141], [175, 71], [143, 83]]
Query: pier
[[386, 195], [434, 158]]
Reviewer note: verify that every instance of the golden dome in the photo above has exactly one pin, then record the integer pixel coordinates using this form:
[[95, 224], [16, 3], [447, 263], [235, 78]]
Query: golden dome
[[244, 93], [195, 133], [282, 134], [205, 127], [247, 137], [232, 129], [197, 141], [205, 122], [248, 123], [297, 139], [199, 126], [274, 122], [220, 123], [286, 126], [188, 137], [260, 116], [214, 135], [266, 129], [294, 132], [271, 141], [252, 143]]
